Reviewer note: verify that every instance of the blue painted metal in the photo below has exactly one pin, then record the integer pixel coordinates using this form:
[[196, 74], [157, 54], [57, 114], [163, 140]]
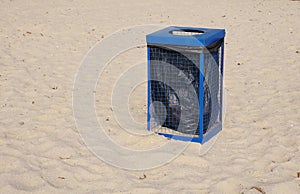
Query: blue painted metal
[[201, 88], [165, 36], [209, 36], [181, 138], [148, 92]]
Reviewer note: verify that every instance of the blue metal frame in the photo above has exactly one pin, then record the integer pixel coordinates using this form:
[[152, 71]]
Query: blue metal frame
[[201, 87], [149, 90], [181, 138], [164, 36], [208, 37]]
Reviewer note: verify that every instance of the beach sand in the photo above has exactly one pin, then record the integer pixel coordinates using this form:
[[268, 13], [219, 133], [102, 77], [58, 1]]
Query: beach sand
[[42, 46]]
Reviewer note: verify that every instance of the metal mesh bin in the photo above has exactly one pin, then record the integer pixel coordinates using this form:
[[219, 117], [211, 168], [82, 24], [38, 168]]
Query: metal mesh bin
[[185, 82]]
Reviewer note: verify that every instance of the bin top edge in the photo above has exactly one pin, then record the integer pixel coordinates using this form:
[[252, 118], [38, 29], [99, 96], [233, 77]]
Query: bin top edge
[[205, 37]]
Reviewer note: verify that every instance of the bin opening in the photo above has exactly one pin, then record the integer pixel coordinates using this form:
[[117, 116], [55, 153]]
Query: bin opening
[[186, 32]]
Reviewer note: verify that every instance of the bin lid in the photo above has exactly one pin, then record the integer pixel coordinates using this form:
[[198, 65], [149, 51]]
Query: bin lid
[[186, 36]]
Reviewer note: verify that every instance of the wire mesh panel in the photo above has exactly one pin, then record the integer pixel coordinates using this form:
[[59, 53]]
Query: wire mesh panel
[[185, 83], [185, 71], [212, 90]]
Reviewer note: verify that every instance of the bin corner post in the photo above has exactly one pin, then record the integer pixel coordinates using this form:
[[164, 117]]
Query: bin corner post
[[222, 80], [201, 91], [149, 89]]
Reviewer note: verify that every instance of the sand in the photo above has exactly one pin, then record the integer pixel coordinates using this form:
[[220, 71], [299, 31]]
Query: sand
[[42, 46]]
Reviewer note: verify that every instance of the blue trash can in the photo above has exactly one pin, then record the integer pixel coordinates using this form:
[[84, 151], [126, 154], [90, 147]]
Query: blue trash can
[[185, 82]]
